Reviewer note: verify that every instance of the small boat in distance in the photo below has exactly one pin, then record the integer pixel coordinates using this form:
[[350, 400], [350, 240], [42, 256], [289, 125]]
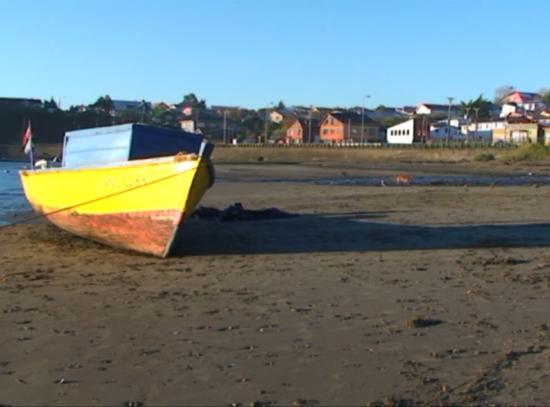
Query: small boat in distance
[[128, 186]]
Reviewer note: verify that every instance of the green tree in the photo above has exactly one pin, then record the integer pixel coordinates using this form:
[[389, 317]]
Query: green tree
[[281, 105], [253, 122], [191, 100], [50, 104], [380, 108], [104, 103], [479, 107]]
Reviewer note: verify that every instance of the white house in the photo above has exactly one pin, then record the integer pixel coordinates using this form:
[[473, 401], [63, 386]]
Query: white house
[[188, 125], [408, 132], [402, 133], [510, 108], [275, 116], [440, 132], [431, 109]]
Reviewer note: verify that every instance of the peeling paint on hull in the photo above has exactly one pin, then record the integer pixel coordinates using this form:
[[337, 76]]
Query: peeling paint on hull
[[147, 232]]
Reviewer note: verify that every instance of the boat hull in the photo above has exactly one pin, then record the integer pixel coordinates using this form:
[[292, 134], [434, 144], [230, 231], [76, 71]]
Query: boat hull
[[139, 205]]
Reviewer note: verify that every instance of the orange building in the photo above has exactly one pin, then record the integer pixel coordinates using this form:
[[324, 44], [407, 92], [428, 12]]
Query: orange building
[[348, 126], [302, 131]]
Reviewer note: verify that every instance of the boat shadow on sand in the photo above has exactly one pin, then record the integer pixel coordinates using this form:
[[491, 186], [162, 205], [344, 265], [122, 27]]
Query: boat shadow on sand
[[357, 231]]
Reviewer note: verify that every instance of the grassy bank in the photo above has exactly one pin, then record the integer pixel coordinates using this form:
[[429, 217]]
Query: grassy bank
[[314, 154], [232, 154]]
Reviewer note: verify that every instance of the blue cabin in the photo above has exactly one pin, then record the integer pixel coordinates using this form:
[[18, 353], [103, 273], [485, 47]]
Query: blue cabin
[[106, 145]]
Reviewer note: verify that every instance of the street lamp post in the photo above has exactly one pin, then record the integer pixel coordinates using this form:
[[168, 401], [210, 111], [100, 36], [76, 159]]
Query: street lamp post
[[363, 119], [450, 99], [476, 110], [265, 129]]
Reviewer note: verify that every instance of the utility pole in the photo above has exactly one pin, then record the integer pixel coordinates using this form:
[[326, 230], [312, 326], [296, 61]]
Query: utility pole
[[143, 107], [476, 109], [225, 127], [265, 126], [349, 130], [450, 98], [309, 126], [363, 119], [467, 124]]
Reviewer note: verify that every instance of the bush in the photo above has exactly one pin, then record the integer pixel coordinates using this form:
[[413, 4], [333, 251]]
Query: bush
[[484, 157]]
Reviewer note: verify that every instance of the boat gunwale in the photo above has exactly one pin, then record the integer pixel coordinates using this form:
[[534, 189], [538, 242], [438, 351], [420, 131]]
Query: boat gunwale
[[176, 158]]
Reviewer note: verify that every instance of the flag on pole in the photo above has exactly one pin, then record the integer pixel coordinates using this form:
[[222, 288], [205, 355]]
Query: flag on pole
[[27, 144], [27, 140]]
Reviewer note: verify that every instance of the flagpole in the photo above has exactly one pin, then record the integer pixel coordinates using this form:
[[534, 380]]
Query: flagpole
[[31, 154], [27, 141]]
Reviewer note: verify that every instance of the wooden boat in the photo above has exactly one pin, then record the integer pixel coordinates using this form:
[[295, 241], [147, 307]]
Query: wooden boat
[[137, 204]]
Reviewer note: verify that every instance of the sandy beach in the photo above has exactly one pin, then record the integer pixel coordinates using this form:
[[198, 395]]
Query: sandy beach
[[391, 295]]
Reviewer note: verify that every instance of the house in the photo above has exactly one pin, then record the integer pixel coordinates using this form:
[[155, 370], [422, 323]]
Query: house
[[203, 121], [188, 124], [125, 105], [443, 131], [276, 116], [163, 106], [385, 113], [273, 115], [209, 123], [298, 111], [522, 130], [528, 101], [410, 131], [510, 108], [483, 129], [337, 127], [302, 131], [434, 110], [407, 110]]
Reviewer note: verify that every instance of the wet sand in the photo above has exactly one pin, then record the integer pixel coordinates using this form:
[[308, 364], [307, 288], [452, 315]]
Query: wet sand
[[429, 294]]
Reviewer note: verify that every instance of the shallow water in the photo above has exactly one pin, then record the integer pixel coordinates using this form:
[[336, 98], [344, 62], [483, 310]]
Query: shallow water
[[445, 180], [12, 198], [420, 180]]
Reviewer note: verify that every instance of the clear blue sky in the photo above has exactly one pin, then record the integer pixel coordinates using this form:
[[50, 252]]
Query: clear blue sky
[[253, 52]]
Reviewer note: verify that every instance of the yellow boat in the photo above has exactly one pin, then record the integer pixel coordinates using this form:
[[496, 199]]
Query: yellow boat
[[137, 204]]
